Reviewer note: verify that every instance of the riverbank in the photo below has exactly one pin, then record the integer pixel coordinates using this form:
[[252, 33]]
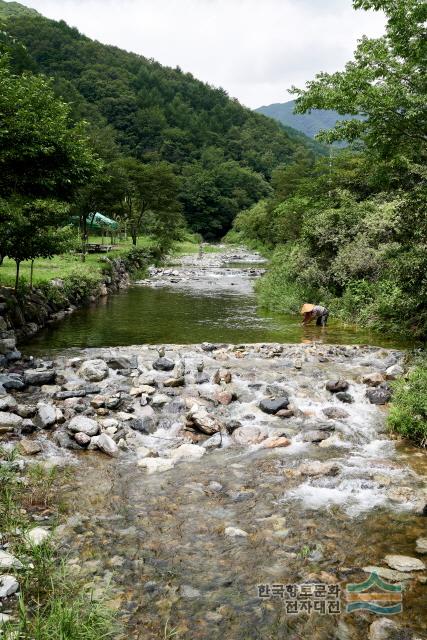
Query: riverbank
[[24, 312]]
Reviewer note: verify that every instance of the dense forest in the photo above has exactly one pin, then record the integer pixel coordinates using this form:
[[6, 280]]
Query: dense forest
[[221, 154], [351, 232]]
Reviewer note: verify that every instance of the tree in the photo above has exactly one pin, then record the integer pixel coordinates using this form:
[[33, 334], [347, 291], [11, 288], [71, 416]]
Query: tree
[[33, 230], [146, 189], [385, 83]]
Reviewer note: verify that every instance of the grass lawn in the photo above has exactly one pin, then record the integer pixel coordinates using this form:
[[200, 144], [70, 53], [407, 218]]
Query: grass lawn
[[64, 265]]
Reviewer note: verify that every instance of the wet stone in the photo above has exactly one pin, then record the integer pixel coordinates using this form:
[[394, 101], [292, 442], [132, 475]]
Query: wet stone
[[335, 413], [344, 397], [273, 406], [334, 386], [379, 395], [163, 364], [30, 447]]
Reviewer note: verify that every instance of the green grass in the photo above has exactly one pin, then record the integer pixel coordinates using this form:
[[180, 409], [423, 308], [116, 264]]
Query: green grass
[[65, 265], [53, 604], [408, 412]]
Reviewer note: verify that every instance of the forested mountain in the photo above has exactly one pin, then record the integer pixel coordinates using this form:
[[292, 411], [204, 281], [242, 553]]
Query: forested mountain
[[222, 152], [11, 9], [308, 123]]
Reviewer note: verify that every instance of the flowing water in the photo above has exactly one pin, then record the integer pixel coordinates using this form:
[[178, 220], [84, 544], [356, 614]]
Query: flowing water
[[159, 541], [212, 301]]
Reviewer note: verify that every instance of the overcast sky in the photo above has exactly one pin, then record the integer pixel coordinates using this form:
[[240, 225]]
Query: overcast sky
[[255, 49]]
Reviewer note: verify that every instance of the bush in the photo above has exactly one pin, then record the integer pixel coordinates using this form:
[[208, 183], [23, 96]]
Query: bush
[[408, 413]]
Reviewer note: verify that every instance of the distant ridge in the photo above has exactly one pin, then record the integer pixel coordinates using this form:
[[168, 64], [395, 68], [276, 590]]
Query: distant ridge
[[308, 123]]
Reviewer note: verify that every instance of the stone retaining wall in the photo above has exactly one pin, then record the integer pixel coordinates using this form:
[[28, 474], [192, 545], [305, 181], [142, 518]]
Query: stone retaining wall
[[24, 313]]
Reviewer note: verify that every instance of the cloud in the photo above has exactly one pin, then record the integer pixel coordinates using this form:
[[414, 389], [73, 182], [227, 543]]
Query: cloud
[[255, 50]]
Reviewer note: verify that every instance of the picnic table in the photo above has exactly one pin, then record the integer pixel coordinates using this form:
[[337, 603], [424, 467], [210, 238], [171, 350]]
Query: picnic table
[[94, 247]]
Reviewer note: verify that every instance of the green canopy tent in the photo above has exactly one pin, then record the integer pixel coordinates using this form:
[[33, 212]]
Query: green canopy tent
[[99, 222]]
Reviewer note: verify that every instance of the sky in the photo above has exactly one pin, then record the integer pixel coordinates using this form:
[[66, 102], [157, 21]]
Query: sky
[[254, 49]]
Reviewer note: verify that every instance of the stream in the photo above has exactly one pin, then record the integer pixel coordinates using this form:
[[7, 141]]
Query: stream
[[216, 504]]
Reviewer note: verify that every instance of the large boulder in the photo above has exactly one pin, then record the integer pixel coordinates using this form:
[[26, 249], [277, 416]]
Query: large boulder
[[404, 563], [379, 395], [9, 421], [82, 424], [200, 420], [163, 364], [8, 403], [373, 379], [249, 435], [47, 414], [107, 445], [122, 362], [94, 370], [272, 406], [38, 377], [11, 381]]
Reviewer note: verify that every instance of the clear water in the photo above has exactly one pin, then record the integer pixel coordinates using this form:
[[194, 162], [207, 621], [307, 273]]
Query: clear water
[[144, 315]]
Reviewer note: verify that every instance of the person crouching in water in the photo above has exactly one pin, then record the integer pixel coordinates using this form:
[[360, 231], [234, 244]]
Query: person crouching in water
[[314, 311]]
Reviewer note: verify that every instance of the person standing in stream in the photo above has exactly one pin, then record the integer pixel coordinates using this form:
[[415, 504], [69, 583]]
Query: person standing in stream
[[314, 311]]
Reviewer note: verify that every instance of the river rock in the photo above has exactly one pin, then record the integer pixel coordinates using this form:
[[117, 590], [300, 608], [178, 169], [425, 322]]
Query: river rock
[[82, 439], [201, 378], [317, 468], [232, 425], [285, 413], [39, 377], [11, 381], [174, 382], [337, 385], [37, 535], [64, 441], [335, 413], [270, 406], [200, 420], [145, 424], [29, 447], [94, 370], [8, 403], [163, 364], [344, 397], [84, 425], [156, 465], [8, 585], [249, 435], [388, 574], [187, 452], [393, 372], [234, 532], [315, 435], [214, 442], [404, 563], [159, 400], [421, 545], [275, 443], [373, 379], [47, 414], [9, 421], [378, 395], [224, 397], [8, 561], [121, 362], [107, 445]]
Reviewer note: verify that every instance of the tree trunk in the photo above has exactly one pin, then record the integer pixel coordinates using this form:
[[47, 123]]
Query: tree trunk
[[31, 274], [84, 238], [18, 263], [1, 259]]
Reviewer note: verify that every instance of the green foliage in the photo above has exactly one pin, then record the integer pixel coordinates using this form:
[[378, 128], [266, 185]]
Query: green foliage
[[351, 230], [224, 152], [408, 412]]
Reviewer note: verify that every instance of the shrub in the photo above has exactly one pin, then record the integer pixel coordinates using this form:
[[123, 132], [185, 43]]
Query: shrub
[[408, 413]]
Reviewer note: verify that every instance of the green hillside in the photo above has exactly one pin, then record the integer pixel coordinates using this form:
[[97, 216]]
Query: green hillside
[[223, 153], [13, 9], [308, 123]]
